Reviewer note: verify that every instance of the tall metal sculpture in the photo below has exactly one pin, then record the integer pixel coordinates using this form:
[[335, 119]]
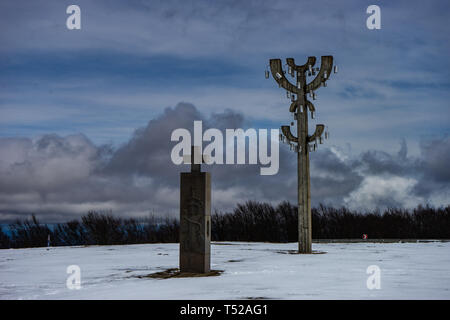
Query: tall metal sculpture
[[303, 143]]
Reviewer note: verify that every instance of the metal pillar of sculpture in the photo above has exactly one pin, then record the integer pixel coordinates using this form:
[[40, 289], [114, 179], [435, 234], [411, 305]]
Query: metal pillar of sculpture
[[303, 143]]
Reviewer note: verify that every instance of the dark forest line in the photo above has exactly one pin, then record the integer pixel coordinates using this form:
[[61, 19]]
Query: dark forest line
[[251, 221]]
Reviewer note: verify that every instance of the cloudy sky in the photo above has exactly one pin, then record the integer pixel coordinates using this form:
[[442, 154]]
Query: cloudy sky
[[86, 115]]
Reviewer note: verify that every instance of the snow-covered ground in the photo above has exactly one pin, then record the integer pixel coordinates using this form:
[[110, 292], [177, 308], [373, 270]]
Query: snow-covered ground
[[251, 270]]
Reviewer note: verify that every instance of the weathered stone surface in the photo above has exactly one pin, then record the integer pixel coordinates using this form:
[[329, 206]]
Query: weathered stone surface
[[195, 221]]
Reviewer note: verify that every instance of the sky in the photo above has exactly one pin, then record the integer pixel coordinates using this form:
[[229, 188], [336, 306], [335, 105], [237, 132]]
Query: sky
[[86, 115]]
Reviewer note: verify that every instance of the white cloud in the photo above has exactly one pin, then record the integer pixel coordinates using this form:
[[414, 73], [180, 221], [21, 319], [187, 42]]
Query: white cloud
[[384, 191]]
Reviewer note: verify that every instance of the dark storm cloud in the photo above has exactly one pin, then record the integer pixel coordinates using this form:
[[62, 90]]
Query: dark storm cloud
[[148, 151], [332, 177], [62, 177], [436, 159]]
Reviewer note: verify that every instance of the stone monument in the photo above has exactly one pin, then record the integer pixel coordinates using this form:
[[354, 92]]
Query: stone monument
[[195, 216]]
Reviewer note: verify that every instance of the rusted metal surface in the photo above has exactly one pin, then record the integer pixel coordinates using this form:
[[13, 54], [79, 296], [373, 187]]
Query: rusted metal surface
[[299, 107], [319, 130]]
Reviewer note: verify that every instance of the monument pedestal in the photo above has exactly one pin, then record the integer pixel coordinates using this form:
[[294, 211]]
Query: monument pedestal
[[195, 220]]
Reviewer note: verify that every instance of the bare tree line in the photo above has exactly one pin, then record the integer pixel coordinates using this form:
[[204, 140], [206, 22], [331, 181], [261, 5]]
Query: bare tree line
[[251, 221]]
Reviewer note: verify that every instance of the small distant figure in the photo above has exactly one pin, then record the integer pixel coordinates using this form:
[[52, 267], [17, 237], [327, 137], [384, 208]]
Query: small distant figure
[[364, 236], [48, 241]]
